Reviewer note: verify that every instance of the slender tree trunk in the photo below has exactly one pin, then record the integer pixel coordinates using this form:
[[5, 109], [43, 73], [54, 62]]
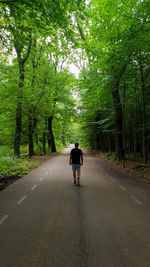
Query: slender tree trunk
[[36, 134], [17, 139], [49, 142], [21, 62], [51, 139], [109, 142], [118, 123], [44, 137], [63, 138], [30, 135], [124, 122], [44, 143], [18, 130], [135, 125], [30, 116], [143, 115]]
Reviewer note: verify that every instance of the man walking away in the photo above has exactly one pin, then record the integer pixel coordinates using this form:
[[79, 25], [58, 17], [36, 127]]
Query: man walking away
[[76, 160]]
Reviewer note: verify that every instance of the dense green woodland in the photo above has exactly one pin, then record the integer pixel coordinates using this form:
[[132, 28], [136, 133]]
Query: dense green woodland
[[44, 107]]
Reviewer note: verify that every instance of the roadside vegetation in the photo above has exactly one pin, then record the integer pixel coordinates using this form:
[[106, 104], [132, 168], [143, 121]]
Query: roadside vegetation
[[44, 107], [114, 85]]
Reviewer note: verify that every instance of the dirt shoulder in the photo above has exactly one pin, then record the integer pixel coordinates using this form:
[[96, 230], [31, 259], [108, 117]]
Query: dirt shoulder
[[136, 171]]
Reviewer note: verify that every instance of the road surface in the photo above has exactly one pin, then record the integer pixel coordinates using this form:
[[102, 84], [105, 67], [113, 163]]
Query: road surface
[[47, 221]]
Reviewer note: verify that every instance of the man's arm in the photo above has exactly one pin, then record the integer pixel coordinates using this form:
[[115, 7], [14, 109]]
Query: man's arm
[[70, 161], [82, 159]]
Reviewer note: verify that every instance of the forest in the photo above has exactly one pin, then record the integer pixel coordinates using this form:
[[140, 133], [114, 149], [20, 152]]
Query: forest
[[45, 105]]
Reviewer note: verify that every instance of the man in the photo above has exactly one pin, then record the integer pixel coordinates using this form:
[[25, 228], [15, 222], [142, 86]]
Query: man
[[76, 160]]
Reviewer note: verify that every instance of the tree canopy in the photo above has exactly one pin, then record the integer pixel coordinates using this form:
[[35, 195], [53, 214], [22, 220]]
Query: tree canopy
[[45, 106]]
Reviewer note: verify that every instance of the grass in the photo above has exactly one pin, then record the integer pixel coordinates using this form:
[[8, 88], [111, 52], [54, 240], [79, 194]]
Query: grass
[[10, 166], [16, 167]]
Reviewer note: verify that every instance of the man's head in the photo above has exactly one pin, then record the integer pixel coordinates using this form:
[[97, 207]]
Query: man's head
[[76, 145]]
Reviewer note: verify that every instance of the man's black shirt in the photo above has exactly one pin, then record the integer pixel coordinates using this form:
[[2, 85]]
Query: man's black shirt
[[76, 153]]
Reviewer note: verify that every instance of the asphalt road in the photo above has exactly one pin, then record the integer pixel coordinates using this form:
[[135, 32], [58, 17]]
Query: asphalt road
[[47, 221]]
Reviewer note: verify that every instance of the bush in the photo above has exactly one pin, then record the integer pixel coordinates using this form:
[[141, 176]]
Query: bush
[[6, 151]]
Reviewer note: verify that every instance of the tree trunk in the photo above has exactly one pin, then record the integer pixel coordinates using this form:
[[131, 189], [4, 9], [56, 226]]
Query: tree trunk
[[118, 123], [44, 143], [36, 134], [17, 140], [30, 135], [143, 115], [18, 130], [124, 122], [118, 114], [44, 137], [21, 62], [51, 140], [109, 142], [30, 116], [63, 138], [135, 125]]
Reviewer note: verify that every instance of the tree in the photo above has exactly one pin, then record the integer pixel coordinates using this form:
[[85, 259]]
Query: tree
[[20, 24], [112, 41]]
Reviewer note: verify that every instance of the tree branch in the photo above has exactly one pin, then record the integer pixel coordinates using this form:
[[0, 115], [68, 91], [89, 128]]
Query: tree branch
[[28, 51], [81, 32], [38, 102]]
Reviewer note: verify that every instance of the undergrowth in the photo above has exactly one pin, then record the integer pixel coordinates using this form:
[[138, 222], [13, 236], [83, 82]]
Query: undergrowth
[[10, 166], [16, 167]]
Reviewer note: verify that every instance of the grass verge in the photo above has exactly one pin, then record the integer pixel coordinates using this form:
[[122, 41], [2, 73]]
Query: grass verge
[[11, 169]]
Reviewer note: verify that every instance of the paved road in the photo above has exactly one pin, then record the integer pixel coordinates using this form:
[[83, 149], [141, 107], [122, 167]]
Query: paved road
[[47, 221]]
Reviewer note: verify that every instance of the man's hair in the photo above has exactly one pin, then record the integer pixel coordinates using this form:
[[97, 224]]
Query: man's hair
[[76, 145]]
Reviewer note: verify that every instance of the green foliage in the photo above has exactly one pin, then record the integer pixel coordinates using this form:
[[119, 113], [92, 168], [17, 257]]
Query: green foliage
[[16, 167], [6, 151], [116, 42], [111, 41]]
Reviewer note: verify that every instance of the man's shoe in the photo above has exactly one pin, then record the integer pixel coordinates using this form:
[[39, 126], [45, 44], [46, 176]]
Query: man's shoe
[[74, 181], [78, 182]]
